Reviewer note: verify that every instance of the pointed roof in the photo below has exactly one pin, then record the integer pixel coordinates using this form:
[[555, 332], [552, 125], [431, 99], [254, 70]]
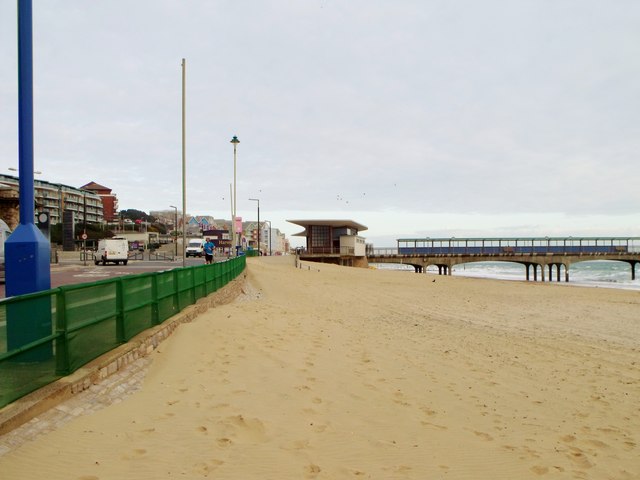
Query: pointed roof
[[330, 223], [95, 186]]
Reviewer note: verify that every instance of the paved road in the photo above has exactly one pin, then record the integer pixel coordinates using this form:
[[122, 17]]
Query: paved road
[[68, 273]]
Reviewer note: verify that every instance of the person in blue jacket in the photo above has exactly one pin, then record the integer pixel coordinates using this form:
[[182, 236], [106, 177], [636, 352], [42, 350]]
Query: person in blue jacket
[[208, 251]]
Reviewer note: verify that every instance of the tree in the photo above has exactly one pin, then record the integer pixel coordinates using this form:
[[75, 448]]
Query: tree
[[133, 215]]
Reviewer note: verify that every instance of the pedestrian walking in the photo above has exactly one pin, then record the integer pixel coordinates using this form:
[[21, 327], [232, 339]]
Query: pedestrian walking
[[208, 251]]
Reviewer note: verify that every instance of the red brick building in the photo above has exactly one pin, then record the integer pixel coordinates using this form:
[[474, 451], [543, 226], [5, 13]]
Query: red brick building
[[109, 200]]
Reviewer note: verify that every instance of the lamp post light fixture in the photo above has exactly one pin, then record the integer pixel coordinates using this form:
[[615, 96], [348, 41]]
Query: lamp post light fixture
[[36, 172], [175, 228], [258, 200], [235, 143]]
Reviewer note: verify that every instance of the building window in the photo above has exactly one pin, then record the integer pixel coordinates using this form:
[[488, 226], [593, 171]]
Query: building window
[[320, 236]]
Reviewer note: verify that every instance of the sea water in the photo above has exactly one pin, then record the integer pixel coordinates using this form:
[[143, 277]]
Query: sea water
[[597, 273]]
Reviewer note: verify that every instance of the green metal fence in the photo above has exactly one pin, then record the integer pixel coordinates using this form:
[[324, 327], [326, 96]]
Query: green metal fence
[[68, 326]]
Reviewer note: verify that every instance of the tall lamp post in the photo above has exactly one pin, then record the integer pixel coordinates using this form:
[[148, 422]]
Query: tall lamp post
[[258, 200], [184, 159], [235, 142], [27, 251], [175, 228], [269, 222]]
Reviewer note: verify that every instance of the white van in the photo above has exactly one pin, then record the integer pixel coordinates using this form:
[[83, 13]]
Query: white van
[[114, 250], [194, 247], [5, 231]]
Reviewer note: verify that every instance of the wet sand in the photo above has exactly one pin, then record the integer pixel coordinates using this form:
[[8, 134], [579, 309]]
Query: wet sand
[[334, 372]]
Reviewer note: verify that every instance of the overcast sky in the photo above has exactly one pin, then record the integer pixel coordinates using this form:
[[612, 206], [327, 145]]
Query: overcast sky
[[414, 118]]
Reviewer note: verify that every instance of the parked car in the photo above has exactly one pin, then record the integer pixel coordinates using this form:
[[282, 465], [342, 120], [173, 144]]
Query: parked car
[[114, 250]]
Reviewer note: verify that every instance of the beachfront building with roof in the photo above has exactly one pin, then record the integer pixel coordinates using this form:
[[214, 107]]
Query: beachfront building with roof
[[333, 241]]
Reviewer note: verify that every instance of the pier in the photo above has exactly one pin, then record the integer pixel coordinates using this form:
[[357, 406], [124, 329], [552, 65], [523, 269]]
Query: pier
[[538, 254]]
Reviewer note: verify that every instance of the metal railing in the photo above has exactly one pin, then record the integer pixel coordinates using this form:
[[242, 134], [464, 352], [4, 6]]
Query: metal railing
[[136, 255], [161, 256], [326, 251]]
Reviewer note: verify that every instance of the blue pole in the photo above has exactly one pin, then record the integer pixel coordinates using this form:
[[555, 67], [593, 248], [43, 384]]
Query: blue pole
[[25, 111], [27, 251]]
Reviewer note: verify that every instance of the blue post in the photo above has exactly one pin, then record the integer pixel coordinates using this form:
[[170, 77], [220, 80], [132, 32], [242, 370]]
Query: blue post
[[27, 251]]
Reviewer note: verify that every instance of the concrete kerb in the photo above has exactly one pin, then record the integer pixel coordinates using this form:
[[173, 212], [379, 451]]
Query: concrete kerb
[[30, 406]]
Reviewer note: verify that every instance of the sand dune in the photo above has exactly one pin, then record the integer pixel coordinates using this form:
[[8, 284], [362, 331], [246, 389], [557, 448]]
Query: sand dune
[[332, 372]]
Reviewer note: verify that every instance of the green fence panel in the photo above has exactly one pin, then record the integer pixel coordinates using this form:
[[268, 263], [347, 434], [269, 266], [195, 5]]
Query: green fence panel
[[19, 375], [27, 354], [167, 295], [137, 303], [27, 318], [210, 276], [224, 273], [89, 301], [184, 279], [91, 315], [199, 281]]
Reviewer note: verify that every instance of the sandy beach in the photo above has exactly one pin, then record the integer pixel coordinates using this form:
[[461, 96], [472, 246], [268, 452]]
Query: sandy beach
[[333, 373]]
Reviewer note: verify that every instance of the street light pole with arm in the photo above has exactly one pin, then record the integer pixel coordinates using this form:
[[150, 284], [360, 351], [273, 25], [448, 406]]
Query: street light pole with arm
[[175, 228], [269, 222], [235, 142], [258, 200], [184, 161]]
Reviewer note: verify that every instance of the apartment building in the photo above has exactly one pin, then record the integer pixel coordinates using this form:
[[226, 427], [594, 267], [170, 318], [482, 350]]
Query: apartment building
[[52, 198], [109, 200]]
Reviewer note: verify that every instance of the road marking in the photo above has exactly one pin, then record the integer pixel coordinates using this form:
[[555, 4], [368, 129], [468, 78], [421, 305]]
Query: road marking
[[96, 272]]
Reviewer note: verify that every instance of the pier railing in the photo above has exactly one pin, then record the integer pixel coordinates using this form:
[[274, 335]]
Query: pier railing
[[75, 324], [513, 246], [343, 250]]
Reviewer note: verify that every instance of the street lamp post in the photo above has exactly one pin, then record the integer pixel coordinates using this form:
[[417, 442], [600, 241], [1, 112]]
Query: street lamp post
[[175, 228], [258, 200], [235, 142], [27, 252], [184, 160], [269, 222]]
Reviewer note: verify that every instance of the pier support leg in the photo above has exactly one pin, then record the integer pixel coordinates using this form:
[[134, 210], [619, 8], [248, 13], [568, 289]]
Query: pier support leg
[[566, 273]]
